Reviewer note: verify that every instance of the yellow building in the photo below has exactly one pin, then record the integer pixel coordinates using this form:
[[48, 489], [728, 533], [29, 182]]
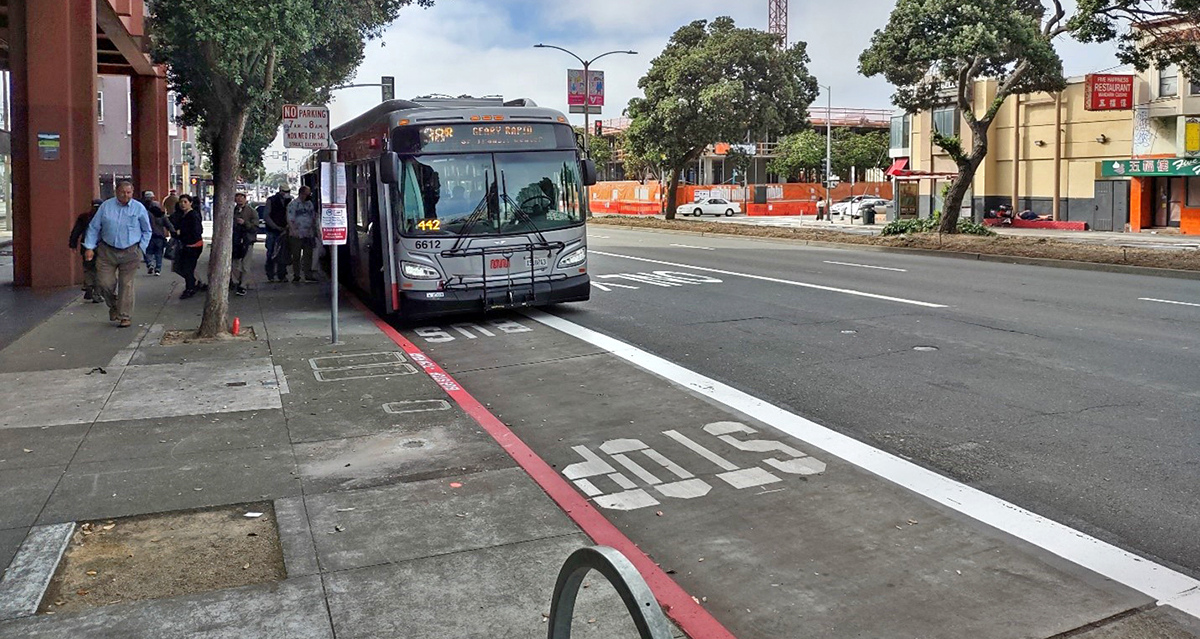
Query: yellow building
[[1023, 146]]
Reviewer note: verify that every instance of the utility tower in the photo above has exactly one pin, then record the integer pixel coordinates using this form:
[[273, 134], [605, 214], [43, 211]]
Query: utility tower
[[777, 11]]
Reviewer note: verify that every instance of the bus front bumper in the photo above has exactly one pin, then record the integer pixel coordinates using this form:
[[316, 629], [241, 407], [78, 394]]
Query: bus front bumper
[[423, 304]]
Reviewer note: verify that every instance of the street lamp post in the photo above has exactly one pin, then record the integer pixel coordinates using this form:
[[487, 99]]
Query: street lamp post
[[587, 89], [828, 151]]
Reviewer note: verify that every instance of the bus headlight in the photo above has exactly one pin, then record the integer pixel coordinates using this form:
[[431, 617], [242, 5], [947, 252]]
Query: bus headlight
[[414, 271], [573, 258]]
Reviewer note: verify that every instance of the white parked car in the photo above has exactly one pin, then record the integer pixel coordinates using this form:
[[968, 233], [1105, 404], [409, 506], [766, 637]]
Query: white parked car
[[880, 205], [710, 206], [844, 205]]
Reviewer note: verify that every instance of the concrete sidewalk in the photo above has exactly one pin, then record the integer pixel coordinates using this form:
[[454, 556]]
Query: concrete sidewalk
[[397, 515]]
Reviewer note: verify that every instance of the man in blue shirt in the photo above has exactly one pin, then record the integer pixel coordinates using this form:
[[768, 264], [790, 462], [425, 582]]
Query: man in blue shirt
[[117, 239]]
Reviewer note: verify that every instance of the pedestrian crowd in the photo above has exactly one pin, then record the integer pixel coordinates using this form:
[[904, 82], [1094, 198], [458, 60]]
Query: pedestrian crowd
[[117, 235]]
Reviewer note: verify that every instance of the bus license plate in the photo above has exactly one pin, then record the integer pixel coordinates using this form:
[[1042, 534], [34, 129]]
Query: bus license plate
[[538, 262]]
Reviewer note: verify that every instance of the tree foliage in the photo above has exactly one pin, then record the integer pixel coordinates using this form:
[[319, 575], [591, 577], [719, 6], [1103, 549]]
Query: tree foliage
[[804, 152], [234, 63], [712, 82], [933, 51]]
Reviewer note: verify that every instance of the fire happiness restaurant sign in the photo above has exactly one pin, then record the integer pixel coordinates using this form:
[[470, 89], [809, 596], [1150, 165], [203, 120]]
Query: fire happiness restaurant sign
[[1160, 167], [1106, 92]]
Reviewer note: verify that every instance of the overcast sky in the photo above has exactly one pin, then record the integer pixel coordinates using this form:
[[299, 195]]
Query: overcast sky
[[482, 47]]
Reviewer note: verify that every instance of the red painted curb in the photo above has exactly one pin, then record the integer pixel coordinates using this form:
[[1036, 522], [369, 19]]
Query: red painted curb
[[691, 617]]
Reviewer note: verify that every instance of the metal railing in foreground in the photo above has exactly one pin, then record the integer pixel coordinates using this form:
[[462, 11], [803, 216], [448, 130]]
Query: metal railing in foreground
[[620, 572]]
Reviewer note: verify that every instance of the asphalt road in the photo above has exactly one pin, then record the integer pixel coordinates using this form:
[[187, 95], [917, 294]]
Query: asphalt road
[[1062, 391]]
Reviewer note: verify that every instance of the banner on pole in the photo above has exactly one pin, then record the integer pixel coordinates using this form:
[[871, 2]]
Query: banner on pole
[[334, 226]]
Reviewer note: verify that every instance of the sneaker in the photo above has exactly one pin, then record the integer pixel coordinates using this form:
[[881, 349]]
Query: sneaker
[[296, 278], [149, 270], [241, 290], [157, 272], [87, 295], [311, 279], [271, 279], [96, 300], [124, 324], [186, 294]]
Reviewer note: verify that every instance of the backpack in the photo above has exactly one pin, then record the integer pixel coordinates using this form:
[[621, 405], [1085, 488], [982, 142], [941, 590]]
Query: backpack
[[241, 245]]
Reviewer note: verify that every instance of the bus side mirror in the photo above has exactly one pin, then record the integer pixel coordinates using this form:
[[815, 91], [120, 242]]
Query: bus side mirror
[[589, 172], [389, 168]]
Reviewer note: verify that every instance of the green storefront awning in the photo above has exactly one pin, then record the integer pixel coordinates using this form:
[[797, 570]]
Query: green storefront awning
[[1139, 168]]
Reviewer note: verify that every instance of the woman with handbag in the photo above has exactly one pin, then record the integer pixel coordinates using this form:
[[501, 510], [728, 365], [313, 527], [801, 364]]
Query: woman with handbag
[[190, 232]]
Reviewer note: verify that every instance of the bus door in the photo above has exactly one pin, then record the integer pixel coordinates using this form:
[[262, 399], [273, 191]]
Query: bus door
[[387, 246], [364, 218]]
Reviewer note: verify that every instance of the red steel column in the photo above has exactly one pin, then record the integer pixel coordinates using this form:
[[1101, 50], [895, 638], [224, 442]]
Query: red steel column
[[54, 94], [151, 145]]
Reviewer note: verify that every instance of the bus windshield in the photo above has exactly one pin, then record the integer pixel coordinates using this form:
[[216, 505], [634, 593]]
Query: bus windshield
[[491, 193]]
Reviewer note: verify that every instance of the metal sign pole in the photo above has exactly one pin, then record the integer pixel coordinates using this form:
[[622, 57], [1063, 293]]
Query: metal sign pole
[[333, 258]]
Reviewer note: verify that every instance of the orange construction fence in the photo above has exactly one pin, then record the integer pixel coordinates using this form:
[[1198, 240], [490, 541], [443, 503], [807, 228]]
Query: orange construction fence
[[637, 198]]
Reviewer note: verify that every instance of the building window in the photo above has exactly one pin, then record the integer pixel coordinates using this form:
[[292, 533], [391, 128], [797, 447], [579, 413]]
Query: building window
[[1168, 82], [1193, 87], [901, 131], [945, 121], [100, 107], [1193, 192]]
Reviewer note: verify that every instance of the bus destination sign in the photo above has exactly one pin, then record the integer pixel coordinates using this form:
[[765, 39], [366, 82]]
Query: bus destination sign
[[470, 137]]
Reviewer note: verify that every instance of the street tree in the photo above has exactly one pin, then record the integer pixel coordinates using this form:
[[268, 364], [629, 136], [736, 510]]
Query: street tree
[[804, 153], [233, 64], [713, 82], [933, 51]]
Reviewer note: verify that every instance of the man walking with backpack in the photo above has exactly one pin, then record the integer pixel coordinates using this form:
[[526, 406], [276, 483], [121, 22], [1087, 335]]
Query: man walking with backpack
[[90, 292], [245, 230], [276, 221]]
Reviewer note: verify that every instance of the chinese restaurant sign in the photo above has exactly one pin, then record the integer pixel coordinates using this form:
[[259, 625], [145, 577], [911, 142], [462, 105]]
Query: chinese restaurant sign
[[1138, 168], [1106, 92]]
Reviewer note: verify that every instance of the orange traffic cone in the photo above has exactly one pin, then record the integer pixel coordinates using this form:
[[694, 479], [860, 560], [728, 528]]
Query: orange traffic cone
[[237, 326]]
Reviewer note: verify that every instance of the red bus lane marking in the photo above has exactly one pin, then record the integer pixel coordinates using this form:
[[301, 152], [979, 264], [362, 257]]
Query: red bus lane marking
[[692, 618]]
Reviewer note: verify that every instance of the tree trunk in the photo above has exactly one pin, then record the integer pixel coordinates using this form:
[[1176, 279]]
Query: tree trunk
[[966, 175], [673, 193], [225, 169]]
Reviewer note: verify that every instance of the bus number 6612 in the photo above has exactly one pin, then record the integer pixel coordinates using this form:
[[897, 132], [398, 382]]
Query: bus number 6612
[[427, 244]]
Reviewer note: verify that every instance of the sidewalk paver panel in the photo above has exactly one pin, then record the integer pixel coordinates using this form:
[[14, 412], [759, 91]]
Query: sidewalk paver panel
[[299, 554], [46, 446], [294, 608], [53, 397], [119, 487], [493, 592], [168, 437], [422, 519], [398, 456], [24, 492], [194, 388]]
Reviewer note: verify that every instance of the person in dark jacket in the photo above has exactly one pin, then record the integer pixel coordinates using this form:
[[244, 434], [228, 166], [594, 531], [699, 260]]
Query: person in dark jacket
[[191, 244], [276, 222], [245, 228], [90, 291], [160, 229]]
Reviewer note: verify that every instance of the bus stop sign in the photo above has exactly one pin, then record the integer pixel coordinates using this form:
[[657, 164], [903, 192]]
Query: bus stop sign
[[334, 226]]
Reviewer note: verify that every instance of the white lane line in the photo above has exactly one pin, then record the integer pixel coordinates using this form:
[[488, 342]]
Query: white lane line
[[881, 268], [1166, 586], [1151, 299], [764, 278], [702, 248]]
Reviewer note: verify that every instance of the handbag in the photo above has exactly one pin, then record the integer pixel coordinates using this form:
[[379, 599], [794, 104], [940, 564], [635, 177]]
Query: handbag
[[172, 249]]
